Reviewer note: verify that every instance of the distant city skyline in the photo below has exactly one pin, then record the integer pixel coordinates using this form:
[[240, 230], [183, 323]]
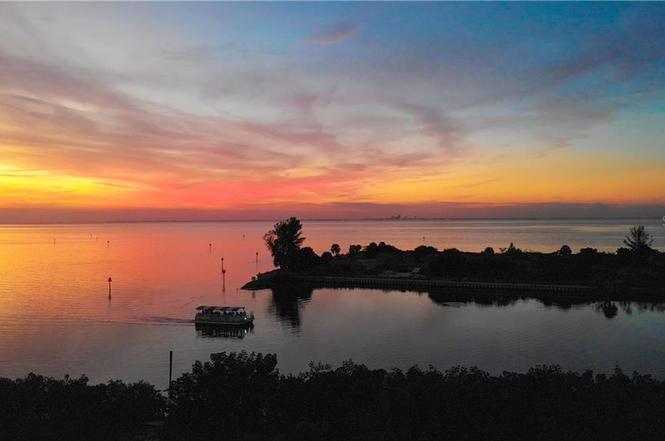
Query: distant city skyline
[[190, 111]]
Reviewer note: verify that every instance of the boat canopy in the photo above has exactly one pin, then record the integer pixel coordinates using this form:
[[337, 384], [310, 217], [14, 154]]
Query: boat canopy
[[221, 308]]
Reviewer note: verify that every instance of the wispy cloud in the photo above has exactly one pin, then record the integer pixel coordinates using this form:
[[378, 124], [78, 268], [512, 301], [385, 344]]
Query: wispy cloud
[[334, 34], [179, 115]]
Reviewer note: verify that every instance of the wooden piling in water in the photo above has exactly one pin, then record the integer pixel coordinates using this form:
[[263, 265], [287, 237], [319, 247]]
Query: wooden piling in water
[[170, 371]]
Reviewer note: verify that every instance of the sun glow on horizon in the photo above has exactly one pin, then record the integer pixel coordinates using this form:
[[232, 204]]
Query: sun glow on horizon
[[209, 108]]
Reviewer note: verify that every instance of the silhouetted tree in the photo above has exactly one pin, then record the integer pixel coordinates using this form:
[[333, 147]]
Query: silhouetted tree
[[284, 242], [448, 263], [42, 408], [638, 239], [306, 258], [242, 397], [225, 397], [326, 257], [335, 249], [384, 248], [489, 251], [624, 252], [422, 251], [565, 251], [511, 250], [371, 249], [354, 249]]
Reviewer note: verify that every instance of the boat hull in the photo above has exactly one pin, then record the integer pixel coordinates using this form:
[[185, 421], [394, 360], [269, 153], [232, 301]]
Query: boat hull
[[223, 321], [222, 331]]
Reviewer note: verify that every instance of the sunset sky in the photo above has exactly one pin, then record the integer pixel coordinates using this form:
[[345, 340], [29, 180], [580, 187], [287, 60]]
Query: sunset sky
[[328, 110]]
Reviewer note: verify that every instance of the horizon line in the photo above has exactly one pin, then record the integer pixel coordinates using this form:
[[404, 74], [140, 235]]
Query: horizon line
[[364, 219]]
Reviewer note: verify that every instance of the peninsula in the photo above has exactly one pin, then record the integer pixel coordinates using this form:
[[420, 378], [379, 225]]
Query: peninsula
[[636, 271]]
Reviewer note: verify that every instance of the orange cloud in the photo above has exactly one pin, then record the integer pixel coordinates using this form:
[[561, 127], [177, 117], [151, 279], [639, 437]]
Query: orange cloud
[[235, 133]]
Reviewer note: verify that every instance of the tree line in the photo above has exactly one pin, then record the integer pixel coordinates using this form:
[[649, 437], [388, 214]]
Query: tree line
[[242, 396], [636, 265]]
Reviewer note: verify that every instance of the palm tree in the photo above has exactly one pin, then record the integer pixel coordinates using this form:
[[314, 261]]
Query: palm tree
[[638, 239], [335, 249], [284, 242]]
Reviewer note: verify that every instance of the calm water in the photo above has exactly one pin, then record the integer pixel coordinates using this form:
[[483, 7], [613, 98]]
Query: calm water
[[56, 317]]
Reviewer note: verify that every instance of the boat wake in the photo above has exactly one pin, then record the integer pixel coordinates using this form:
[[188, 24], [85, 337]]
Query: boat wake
[[159, 320]]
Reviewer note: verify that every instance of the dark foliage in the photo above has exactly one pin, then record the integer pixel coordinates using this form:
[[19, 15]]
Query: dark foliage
[[421, 252], [635, 271], [512, 250], [565, 251], [326, 257], [305, 259], [589, 267], [354, 249], [373, 250], [40, 408], [639, 240], [284, 242], [445, 264], [610, 272], [242, 397], [230, 397]]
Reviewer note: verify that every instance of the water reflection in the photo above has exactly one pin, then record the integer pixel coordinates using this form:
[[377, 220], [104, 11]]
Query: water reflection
[[287, 302], [444, 298], [162, 271], [608, 308], [217, 331]]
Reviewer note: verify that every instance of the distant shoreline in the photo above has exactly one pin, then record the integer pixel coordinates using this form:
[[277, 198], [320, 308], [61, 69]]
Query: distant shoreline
[[369, 219]]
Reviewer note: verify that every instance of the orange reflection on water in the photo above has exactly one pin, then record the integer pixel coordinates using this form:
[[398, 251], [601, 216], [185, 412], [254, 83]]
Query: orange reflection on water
[[56, 317]]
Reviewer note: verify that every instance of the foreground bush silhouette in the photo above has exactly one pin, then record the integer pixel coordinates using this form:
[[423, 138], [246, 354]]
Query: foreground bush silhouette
[[230, 397], [241, 396], [40, 408]]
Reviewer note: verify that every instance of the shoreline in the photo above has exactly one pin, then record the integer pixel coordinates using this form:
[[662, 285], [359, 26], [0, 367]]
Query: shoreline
[[270, 280], [457, 290]]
